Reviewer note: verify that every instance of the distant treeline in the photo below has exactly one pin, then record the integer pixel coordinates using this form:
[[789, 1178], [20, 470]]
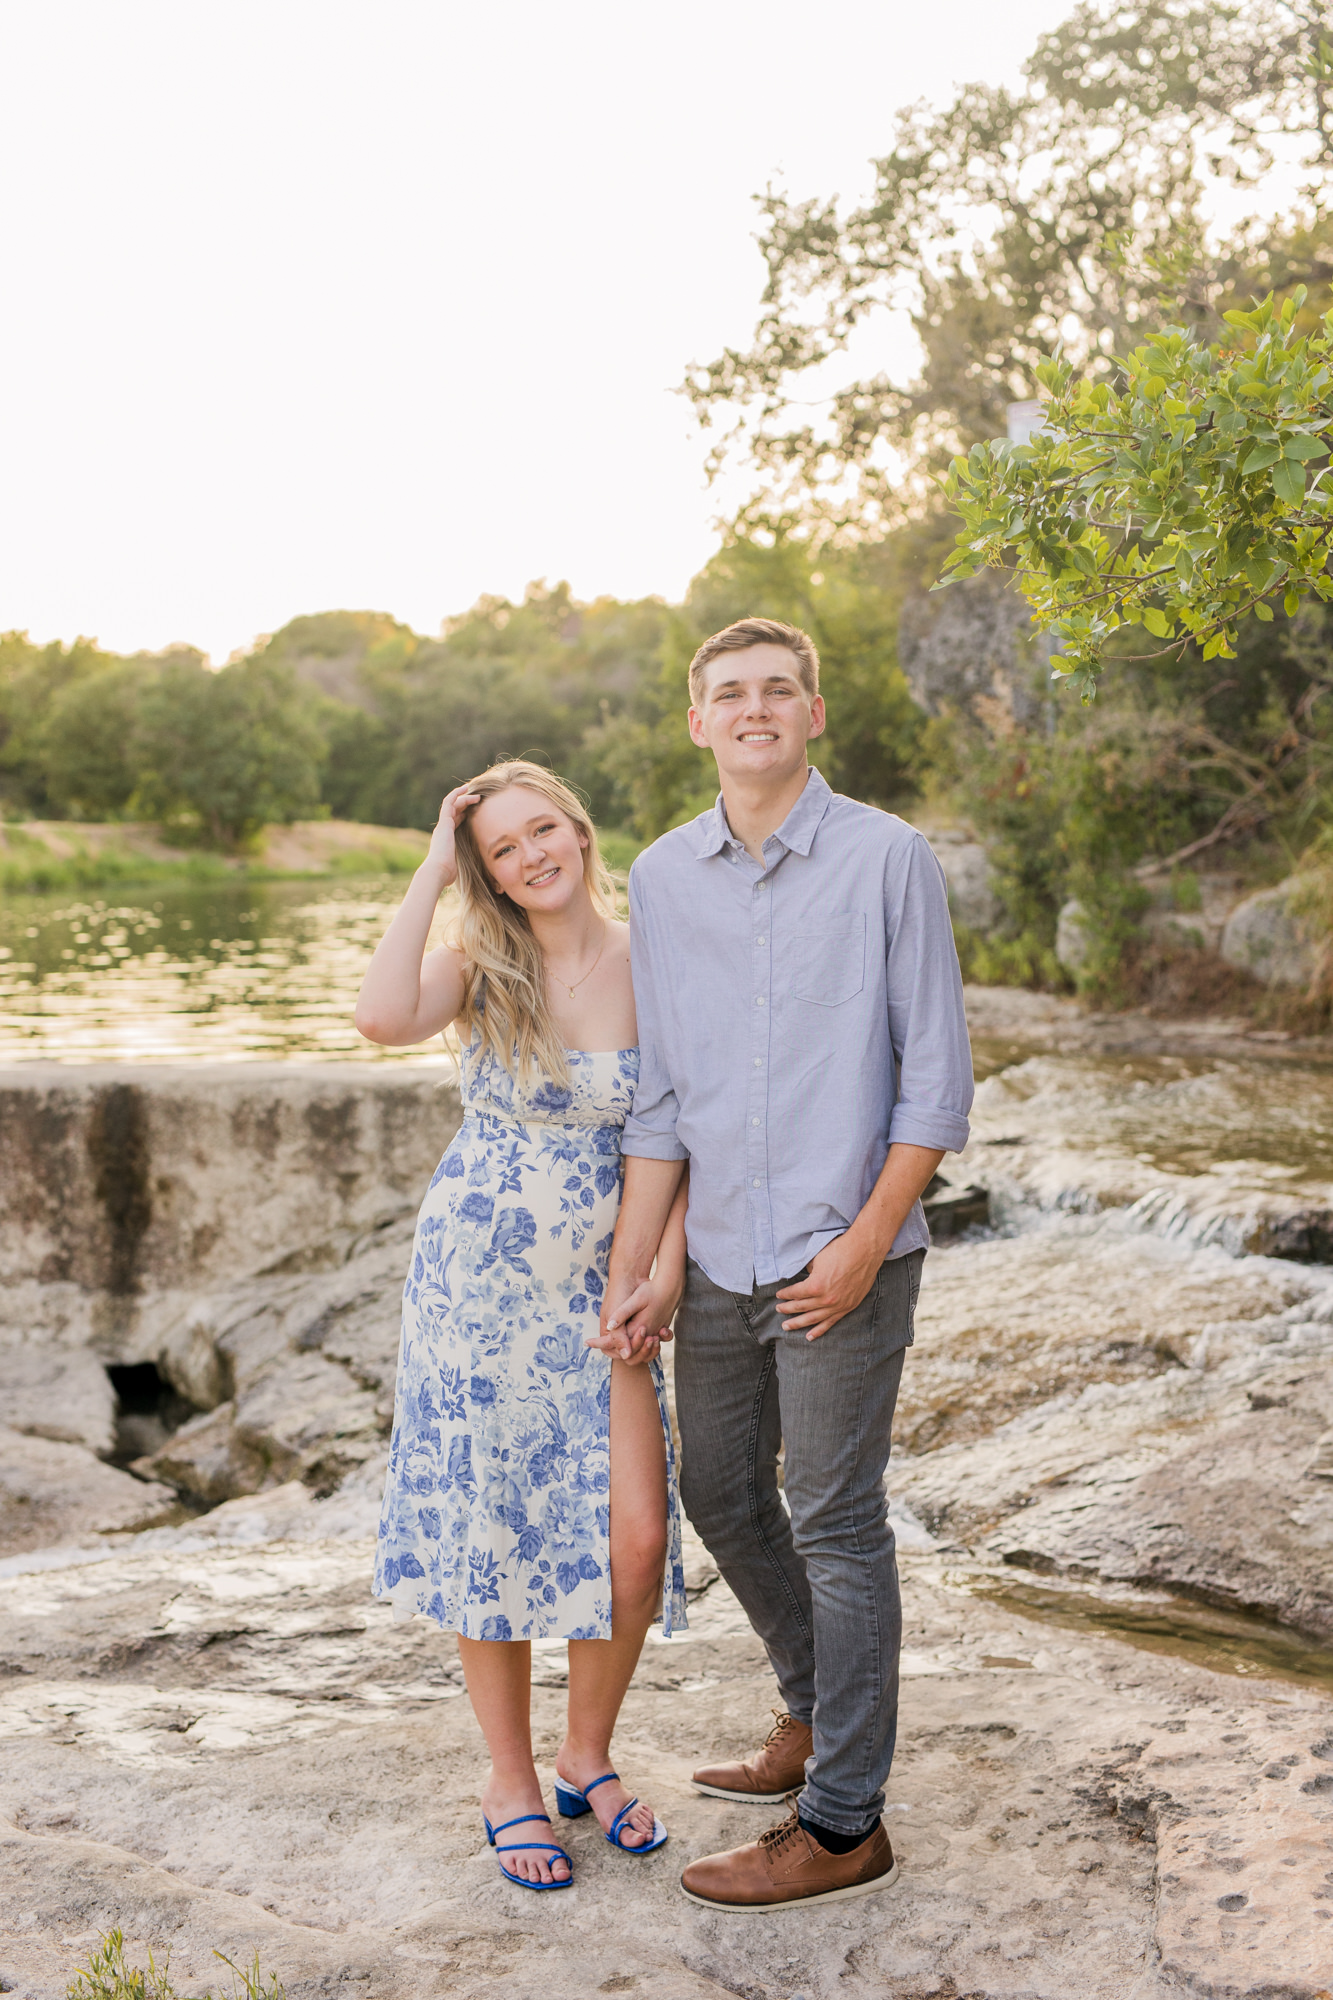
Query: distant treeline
[[354, 714]]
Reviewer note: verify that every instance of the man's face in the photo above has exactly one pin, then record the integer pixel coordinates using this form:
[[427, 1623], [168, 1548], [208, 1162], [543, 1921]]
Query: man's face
[[754, 715]]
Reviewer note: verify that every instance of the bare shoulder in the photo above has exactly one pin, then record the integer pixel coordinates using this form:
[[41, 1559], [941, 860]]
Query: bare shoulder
[[617, 939]]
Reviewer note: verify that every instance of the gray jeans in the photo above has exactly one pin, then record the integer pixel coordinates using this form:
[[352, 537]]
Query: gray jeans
[[820, 1588]]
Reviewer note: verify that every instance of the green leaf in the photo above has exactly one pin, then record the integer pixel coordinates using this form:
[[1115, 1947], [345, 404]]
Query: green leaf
[[1154, 386], [1304, 446], [1215, 645], [1289, 481], [1291, 601], [1156, 622], [1261, 458], [1265, 612]]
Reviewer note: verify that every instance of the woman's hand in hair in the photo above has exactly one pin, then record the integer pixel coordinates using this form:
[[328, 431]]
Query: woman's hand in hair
[[443, 842]]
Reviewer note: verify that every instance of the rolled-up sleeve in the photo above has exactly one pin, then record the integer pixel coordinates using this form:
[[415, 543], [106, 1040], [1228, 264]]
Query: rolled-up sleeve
[[927, 1023], [650, 1129]]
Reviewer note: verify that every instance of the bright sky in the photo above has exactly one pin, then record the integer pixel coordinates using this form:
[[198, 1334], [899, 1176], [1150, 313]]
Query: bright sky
[[316, 304]]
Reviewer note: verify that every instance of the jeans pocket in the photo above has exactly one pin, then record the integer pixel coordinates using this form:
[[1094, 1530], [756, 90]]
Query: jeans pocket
[[915, 1260]]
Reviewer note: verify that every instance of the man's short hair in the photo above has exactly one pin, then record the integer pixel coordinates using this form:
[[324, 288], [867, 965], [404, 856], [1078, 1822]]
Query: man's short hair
[[748, 632]]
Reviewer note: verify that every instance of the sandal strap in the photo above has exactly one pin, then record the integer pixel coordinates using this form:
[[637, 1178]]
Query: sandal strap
[[617, 1823], [520, 1820], [605, 1779], [519, 1846]]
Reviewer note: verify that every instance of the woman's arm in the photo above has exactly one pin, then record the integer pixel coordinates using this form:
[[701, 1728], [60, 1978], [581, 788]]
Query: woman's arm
[[406, 997], [637, 1328]]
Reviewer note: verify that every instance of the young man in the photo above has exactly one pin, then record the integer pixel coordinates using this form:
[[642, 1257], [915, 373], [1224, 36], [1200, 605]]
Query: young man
[[803, 1046]]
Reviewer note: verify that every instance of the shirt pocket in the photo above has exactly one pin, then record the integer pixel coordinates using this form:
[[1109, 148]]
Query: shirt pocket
[[828, 961]]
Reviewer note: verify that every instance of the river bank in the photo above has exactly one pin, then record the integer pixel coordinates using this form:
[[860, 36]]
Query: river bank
[[1113, 1486]]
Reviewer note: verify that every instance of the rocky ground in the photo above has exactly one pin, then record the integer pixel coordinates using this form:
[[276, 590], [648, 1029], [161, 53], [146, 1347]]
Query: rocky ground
[[1114, 1492]]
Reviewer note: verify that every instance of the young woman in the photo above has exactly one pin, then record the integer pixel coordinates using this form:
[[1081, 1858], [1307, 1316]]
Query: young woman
[[531, 1489]]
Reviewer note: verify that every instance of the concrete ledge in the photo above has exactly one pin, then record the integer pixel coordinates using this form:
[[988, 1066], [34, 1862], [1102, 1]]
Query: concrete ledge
[[121, 1180]]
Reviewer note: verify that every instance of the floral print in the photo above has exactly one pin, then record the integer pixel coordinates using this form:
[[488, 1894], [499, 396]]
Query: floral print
[[496, 1517]]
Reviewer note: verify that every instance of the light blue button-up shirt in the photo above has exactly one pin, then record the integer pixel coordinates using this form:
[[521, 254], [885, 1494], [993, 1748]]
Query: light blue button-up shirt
[[795, 1021]]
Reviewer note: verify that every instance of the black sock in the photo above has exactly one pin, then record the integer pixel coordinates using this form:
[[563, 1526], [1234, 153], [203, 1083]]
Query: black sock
[[835, 1843]]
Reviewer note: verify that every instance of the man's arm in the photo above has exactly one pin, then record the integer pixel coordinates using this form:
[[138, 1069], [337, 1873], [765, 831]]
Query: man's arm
[[928, 1031], [844, 1270], [650, 1193]]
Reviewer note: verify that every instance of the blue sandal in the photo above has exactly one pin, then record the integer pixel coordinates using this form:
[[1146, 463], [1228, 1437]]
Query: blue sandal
[[515, 1846], [573, 1805]]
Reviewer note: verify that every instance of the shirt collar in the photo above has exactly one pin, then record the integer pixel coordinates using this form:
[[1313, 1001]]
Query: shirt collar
[[797, 832]]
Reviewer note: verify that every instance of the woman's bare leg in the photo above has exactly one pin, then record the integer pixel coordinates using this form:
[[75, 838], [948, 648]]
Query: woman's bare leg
[[600, 1669], [499, 1683]]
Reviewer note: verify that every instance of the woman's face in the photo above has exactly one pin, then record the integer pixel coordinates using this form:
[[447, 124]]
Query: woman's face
[[531, 850]]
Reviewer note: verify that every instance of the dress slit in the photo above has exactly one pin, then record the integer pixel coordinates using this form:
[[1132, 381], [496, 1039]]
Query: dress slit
[[496, 1516]]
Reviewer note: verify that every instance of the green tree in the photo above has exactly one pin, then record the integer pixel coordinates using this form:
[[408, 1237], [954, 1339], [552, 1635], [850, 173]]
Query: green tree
[[32, 678], [230, 751], [1005, 226], [88, 744], [1182, 498]]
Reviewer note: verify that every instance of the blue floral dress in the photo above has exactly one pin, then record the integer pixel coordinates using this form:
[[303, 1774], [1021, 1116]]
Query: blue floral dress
[[496, 1517]]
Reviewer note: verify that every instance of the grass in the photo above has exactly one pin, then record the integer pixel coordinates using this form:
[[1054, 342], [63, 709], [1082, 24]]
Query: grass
[[107, 1976], [618, 849], [44, 870], [28, 864]]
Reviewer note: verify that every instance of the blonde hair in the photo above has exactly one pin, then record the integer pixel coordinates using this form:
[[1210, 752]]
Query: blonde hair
[[748, 632], [504, 982]]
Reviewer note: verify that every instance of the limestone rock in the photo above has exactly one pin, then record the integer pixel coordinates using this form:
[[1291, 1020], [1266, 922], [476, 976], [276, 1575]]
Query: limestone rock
[[972, 649], [57, 1392], [1193, 1481], [966, 865], [126, 1185], [309, 1361], [54, 1494], [1266, 936], [1072, 943], [209, 1460], [227, 1744]]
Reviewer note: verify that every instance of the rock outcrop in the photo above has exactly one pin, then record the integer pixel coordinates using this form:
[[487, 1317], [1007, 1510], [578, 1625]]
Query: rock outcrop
[[1267, 935], [238, 1227], [973, 649], [966, 865], [1114, 1499]]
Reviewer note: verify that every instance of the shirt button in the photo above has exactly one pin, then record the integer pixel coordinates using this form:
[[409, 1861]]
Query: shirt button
[[760, 1001], [761, 940], [754, 1121], [759, 1062], [755, 1183]]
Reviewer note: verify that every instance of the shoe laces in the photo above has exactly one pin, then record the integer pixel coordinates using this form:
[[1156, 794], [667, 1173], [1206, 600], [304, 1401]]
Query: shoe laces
[[775, 1838], [780, 1727]]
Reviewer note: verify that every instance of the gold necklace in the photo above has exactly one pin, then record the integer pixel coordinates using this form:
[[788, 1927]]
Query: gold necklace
[[591, 969]]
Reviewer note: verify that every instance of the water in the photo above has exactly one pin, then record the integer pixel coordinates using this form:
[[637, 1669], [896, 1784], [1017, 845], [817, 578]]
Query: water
[[1226, 1642], [223, 971]]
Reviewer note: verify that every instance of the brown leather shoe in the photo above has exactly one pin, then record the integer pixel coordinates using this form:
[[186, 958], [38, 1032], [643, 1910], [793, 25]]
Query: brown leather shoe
[[778, 1768], [786, 1866]]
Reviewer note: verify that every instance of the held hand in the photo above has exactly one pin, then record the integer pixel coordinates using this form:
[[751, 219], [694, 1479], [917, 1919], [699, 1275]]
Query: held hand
[[839, 1278], [633, 1321], [443, 849], [646, 1316]]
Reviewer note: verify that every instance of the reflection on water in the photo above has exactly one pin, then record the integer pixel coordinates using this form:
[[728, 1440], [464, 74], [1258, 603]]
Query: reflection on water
[[225, 970]]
